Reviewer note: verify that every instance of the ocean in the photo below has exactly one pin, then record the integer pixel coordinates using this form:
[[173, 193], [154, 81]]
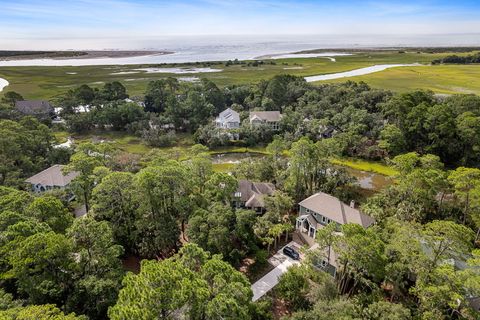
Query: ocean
[[222, 48]]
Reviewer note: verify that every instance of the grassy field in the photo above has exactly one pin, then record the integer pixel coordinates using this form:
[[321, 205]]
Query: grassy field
[[446, 79], [368, 166], [51, 82]]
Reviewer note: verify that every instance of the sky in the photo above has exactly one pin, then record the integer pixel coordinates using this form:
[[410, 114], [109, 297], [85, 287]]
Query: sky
[[90, 24]]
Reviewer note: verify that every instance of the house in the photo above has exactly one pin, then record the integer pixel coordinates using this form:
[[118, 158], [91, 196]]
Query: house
[[38, 108], [51, 178], [271, 118], [251, 195], [326, 260], [328, 131], [319, 210], [228, 119]]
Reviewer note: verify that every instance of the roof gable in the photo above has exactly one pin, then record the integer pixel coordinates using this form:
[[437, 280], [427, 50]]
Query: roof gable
[[228, 115], [267, 116], [332, 208], [253, 193]]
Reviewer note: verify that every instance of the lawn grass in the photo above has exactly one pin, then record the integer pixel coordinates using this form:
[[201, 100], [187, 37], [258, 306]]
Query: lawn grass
[[125, 141], [232, 149], [122, 140], [52, 82], [223, 167], [364, 165]]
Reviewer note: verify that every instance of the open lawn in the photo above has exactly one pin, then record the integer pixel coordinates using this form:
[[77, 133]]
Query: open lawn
[[51, 82]]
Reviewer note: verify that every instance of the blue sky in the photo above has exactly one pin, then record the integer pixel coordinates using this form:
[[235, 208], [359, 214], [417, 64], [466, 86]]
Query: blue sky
[[24, 22]]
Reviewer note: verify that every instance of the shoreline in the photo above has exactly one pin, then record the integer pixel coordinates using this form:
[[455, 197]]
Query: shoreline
[[80, 55], [194, 55]]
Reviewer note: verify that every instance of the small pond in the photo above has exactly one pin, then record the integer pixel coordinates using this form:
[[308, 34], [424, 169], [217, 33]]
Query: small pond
[[370, 180], [234, 157]]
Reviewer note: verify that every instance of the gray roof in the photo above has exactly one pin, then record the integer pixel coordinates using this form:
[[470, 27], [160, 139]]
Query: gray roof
[[253, 193], [332, 208], [228, 115], [53, 177], [33, 106], [268, 116]]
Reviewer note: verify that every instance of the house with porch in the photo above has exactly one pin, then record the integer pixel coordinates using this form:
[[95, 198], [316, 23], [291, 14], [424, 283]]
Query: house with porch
[[270, 118], [251, 195], [51, 178], [321, 209]]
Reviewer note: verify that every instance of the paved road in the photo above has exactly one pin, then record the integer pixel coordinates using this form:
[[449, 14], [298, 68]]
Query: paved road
[[270, 280]]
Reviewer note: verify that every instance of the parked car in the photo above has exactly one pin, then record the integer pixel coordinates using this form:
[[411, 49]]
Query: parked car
[[290, 252]]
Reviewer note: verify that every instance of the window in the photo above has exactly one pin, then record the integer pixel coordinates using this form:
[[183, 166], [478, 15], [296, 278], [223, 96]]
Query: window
[[324, 263], [324, 220], [307, 210], [238, 194]]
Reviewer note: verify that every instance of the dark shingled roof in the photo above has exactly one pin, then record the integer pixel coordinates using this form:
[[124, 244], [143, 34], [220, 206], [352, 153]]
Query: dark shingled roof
[[33, 107]]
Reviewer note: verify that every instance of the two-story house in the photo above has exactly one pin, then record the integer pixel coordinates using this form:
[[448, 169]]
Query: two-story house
[[271, 118], [321, 209], [228, 119]]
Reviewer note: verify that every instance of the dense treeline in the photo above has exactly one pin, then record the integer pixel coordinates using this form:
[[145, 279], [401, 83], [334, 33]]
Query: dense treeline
[[417, 262], [170, 207], [25, 149], [367, 123], [471, 58], [48, 258]]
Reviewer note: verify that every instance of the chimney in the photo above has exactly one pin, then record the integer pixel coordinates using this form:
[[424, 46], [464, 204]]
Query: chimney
[[352, 204]]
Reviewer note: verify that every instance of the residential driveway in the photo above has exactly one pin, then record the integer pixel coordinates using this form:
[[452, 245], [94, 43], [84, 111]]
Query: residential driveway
[[270, 280]]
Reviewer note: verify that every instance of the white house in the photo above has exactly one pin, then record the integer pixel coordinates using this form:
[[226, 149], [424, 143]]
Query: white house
[[228, 119]]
